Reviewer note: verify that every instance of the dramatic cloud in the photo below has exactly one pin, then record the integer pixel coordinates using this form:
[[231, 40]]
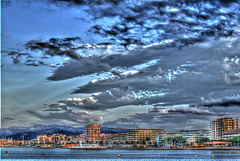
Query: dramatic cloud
[[109, 100], [76, 116], [126, 25], [126, 54], [187, 77]]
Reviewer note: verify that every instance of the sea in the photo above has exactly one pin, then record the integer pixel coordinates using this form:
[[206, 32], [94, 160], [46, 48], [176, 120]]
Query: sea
[[37, 154]]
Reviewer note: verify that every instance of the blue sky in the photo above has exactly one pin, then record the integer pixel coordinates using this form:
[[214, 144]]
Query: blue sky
[[77, 62]]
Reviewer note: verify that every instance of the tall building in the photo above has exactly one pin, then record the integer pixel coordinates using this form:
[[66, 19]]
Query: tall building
[[221, 125], [92, 133]]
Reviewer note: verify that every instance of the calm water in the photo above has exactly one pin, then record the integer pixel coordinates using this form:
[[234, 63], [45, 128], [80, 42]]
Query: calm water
[[58, 153]]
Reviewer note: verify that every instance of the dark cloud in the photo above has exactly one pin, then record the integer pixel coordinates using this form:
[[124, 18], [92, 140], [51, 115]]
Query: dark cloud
[[34, 63], [5, 3], [8, 118], [225, 102], [23, 57], [16, 55], [105, 63], [56, 46], [181, 110]]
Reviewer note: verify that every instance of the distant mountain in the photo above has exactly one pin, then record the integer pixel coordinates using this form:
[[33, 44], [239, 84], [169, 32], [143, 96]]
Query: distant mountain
[[28, 133]]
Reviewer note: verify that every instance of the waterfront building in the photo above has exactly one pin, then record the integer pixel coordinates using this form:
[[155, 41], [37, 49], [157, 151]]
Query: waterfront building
[[162, 135], [231, 133], [9, 142], [194, 136], [120, 138], [143, 136], [78, 138], [218, 143], [222, 125], [106, 138], [42, 139], [55, 139], [92, 133]]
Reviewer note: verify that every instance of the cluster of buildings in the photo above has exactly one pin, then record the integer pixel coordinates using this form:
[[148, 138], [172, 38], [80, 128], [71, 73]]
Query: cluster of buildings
[[55, 139], [222, 128]]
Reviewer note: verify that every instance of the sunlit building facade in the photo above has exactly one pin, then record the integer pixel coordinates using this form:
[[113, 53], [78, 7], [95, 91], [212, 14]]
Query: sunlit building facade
[[142, 136], [55, 139], [222, 125], [92, 133]]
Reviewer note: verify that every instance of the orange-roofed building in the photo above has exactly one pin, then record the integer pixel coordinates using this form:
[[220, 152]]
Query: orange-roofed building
[[218, 143]]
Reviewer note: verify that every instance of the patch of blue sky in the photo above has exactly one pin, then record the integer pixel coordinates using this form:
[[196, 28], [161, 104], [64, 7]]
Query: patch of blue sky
[[171, 9], [203, 13], [189, 19], [108, 22], [211, 22], [192, 8], [163, 22], [118, 41], [130, 24], [135, 30], [169, 76], [122, 27], [179, 70], [132, 47], [146, 39], [188, 65], [223, 17], [152, 33], [198, 28], [190, 35], [150, 23], [225, 10], [146, 93], [56, 60], [145, 65], [209, 6], [161, 31]]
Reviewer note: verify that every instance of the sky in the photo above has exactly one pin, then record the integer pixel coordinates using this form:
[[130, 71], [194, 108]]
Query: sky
[[171, 65]]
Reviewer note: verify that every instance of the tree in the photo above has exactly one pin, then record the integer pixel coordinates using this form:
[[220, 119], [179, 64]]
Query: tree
[[176, 139], [235, 139], [202, 140]]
